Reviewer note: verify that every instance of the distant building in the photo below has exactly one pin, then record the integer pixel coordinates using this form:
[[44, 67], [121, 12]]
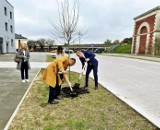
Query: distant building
[[20, 40], [146, 31], [7, 29]]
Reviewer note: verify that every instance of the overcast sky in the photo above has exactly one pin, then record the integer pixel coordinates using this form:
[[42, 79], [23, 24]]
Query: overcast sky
[[104, 19]]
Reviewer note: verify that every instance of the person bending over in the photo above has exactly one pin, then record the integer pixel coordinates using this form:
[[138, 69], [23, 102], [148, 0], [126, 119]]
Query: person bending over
[[89, 57], [52, 78]]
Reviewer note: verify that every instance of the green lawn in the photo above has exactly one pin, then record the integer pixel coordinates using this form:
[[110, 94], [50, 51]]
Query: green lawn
[[50, 58], [97, 110], [123, 48]]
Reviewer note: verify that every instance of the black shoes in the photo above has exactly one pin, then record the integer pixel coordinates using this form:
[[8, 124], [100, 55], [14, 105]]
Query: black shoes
[[86, 88], [53, 102], [59, 97], [96, 87]]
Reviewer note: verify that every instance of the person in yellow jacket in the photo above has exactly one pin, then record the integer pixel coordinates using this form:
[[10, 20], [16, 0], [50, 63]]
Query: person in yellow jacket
[[52, 73]]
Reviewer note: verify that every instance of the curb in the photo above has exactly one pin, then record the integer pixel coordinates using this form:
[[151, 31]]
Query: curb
[[132, 57]]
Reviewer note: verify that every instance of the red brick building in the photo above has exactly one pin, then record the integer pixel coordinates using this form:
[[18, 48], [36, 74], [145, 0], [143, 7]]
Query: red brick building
[[146, 31]]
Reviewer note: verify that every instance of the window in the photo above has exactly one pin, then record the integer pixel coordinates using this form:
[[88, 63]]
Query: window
[[12, 42], [6, 26], [10, 15], [11, 28], [5, 11]]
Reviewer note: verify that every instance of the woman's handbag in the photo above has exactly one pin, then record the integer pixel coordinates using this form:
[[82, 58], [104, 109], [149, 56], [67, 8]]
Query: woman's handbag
[[16, 59]]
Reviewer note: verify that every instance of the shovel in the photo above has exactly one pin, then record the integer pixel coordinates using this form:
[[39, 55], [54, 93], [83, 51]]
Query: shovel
[[80, 76], [73, 94]]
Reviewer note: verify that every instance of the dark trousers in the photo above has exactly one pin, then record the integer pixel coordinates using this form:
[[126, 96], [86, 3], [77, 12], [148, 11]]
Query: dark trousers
[[57, 90], [95, 71], [51, 94], [58, 87], [24, 70], [54, 92]]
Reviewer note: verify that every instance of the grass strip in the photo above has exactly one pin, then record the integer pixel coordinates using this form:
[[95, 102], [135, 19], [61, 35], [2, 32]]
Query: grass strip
[[98, 110]]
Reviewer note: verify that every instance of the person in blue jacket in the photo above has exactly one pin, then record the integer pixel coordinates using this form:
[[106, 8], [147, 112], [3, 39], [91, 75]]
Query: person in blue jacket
[[89, 57]]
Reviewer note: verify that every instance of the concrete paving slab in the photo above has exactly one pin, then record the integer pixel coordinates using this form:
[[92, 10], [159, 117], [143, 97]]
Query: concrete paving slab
[[13, 65], [3, 123], [35, 56], [11, 91]]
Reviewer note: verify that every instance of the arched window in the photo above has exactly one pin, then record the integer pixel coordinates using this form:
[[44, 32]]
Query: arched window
[[143, 30]]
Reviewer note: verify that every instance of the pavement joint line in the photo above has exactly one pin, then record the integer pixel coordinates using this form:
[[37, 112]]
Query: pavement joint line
[[20, 103]]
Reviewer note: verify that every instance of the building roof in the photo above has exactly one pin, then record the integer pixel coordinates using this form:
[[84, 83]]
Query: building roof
[[148, 12], [9, 3], [19, 36]]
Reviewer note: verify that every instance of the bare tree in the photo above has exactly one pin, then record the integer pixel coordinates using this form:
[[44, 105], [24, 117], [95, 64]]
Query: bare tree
[[65, 28]]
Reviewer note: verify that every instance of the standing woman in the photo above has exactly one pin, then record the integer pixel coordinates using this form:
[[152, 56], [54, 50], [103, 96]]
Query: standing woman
[[59, 52], [24, 64]]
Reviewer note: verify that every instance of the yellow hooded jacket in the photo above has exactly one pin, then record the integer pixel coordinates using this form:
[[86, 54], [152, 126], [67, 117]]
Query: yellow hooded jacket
[[51, 72]]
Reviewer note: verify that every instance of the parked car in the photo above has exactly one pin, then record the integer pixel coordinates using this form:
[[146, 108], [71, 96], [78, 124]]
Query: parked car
[[68, 51], [99, 50]]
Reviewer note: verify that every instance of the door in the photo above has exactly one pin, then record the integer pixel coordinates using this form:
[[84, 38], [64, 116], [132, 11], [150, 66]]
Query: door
[[143, 40]]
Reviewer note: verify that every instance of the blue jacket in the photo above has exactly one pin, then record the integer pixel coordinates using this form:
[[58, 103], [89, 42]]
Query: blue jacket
[[88, 54]]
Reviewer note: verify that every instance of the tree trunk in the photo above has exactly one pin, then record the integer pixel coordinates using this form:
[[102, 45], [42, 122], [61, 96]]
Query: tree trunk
[[69, 57]]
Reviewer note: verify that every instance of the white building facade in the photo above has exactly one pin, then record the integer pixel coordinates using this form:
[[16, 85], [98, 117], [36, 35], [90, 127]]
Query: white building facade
[[7, 28], [20, 41]]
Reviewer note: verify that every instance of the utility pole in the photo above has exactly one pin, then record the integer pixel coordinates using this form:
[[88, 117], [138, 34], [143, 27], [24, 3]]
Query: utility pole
[[80, 35], [92, 47]]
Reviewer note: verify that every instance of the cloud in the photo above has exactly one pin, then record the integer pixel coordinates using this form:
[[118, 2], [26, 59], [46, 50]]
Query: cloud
[[104, 19], [113, 19]]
